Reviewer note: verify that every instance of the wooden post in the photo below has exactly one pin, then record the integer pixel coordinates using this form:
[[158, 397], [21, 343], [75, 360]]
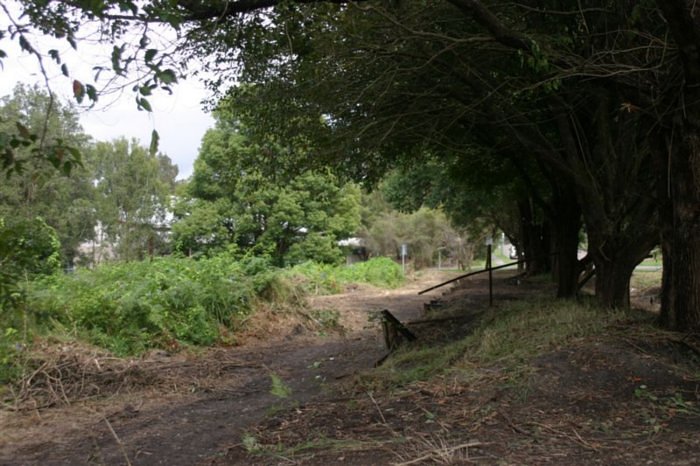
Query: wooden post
[[393, 331]]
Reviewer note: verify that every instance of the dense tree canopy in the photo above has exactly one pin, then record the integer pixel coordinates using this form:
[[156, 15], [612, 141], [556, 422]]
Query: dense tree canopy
[[118, 184], [241, 196], [600, 95], [64, 202], [133, 199]]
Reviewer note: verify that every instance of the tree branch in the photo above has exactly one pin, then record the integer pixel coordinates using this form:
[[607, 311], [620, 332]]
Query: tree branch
[[686, 32], [500, 32]]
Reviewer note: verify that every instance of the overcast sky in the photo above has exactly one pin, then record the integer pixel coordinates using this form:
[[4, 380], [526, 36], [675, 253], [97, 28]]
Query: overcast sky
[[178, 118]]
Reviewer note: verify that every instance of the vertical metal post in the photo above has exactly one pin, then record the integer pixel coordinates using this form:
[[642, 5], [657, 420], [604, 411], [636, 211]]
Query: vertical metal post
[[404, 253], [488, 266]]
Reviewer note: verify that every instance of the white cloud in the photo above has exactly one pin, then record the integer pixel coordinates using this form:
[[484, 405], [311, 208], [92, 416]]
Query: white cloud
[[178, 118]]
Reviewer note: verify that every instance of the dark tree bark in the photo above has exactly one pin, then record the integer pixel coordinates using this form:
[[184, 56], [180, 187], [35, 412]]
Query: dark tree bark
[[534, 240], [566, 228], [614, 271], [563, 214], [680, 238], [612, 172], [681, 233]]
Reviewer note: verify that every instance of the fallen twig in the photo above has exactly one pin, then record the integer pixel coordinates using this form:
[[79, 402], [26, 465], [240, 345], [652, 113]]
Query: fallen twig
[[576, 438], [377, 406], [447, 450], [119, 442]]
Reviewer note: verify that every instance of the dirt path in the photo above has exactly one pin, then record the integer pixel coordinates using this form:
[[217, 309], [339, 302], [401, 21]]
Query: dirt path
[[220, 393]]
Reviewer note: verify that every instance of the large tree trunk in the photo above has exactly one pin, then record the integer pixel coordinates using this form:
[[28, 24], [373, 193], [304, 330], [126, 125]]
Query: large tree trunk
[[614, 267], [615, 187], [681, 235], [615, 256], [612, 285], [565, 230], [680, 303], [535, 240], [565, 264]]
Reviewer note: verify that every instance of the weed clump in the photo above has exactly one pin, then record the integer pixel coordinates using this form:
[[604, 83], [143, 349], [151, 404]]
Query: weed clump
[[168, 302], [129, 307], [328, 279]]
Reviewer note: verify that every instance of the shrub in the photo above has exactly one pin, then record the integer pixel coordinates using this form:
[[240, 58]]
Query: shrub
[[327, 279], [128, 307]]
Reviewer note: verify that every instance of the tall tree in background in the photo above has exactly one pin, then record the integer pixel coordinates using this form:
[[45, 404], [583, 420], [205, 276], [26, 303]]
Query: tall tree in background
[[244, 195], [134, 196], [36, 189]]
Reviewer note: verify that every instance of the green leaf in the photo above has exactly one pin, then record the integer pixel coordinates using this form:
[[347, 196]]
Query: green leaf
[[167, 76], [75, 152], [116, 60], [129, 6], [150, 55], [91, 92], [53, 53], [279, 388], [144, 104], [24, 43], [155, 139]]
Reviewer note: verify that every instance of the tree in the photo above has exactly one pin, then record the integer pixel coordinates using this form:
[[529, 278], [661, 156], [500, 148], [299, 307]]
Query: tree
[[428, 232], [242, 197], [679, 157], [555, 77], [411, 84], [34, 189], [28, 247], [134, 194], [203, 227], [422, 99]]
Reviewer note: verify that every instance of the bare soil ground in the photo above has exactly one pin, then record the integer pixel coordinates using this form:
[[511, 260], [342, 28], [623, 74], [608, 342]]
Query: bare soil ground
[[603, 400]]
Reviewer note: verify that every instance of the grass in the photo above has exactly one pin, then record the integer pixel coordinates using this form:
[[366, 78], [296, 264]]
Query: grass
[[499, 352], [642, 279], [328, 279], [519, 331], [282, 451], [507, 339]]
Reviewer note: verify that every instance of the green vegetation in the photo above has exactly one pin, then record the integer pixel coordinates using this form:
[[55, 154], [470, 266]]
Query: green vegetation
[[327, 279], [119, 184], [29, 248], [642, 279], [278, 387], [129, 307], [239, 194], [506, 339]]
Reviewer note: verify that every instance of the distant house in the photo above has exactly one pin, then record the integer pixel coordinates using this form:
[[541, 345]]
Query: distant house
[[355, 249]]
